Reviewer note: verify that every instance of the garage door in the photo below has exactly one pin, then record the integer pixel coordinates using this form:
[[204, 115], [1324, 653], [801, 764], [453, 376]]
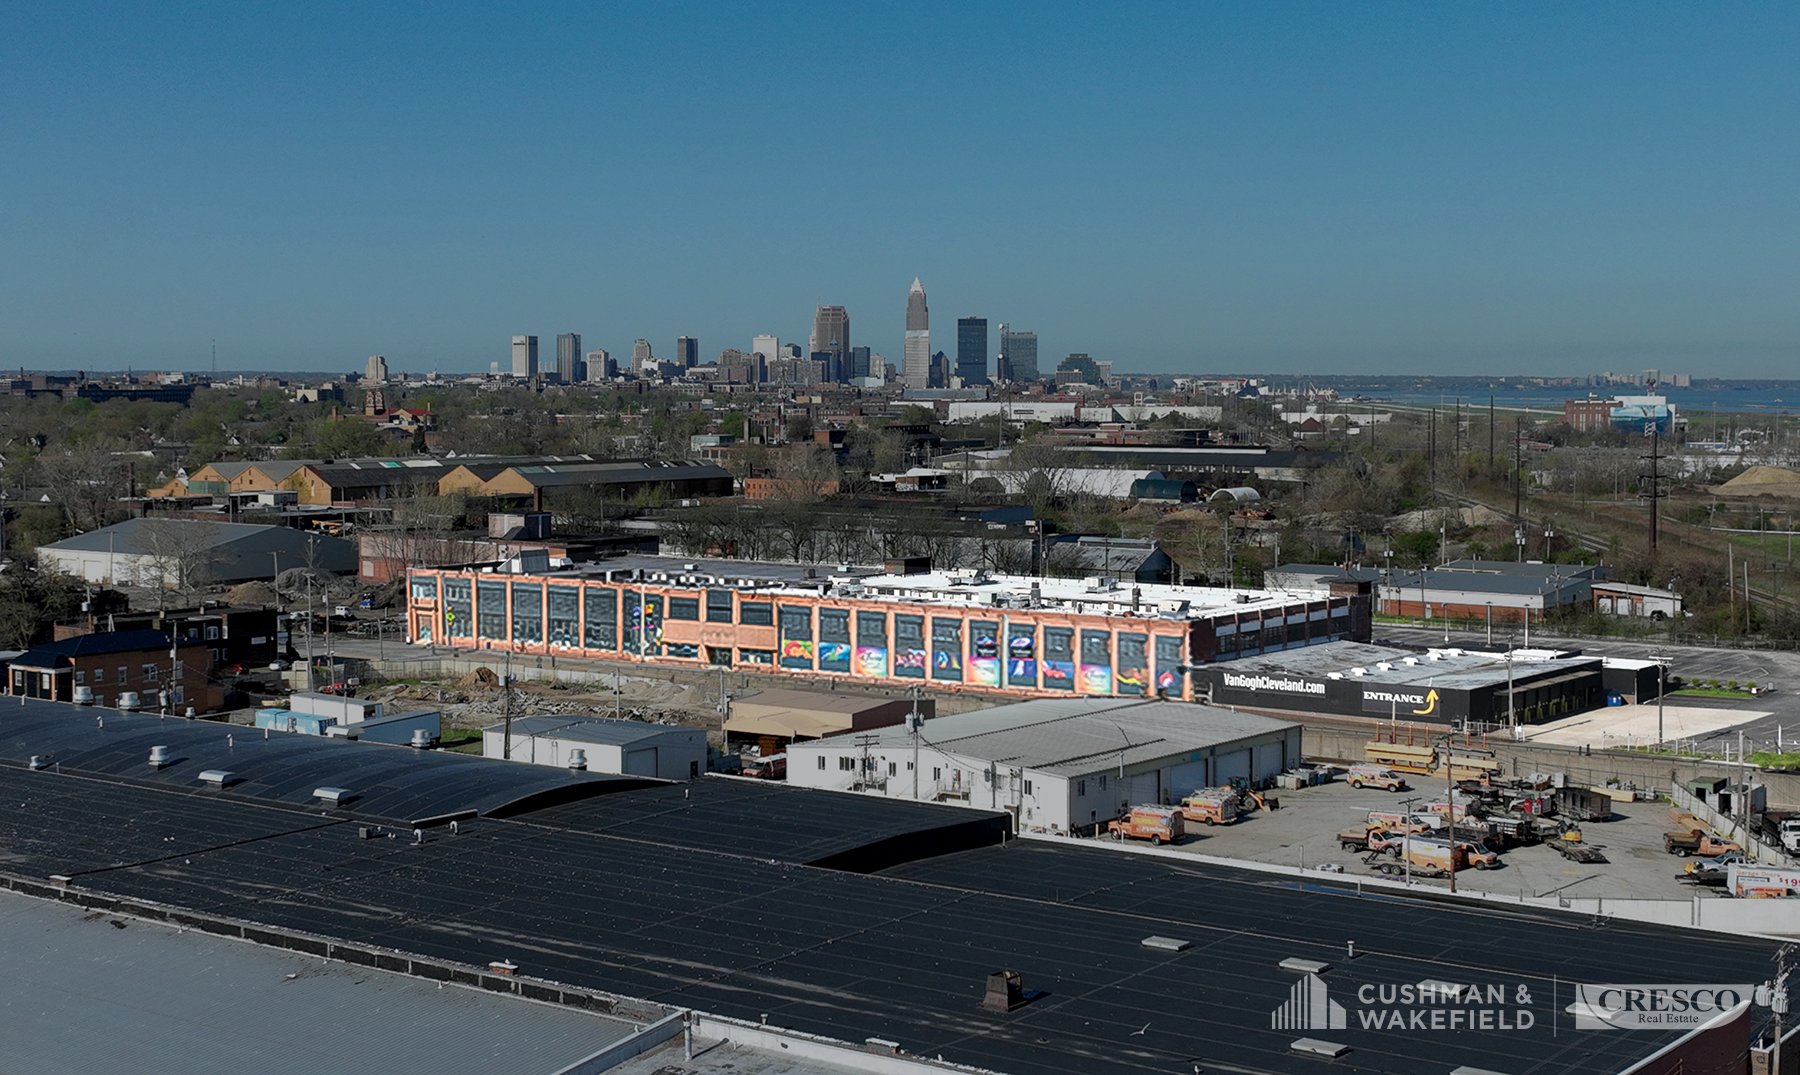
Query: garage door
[[1268, 760], [641, 762], [1232, 766], [1187, 778]]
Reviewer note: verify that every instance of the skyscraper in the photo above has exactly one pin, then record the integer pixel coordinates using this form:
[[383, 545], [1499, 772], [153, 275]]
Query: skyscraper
[[641, 356], [859, 363], [1018, 355], [376, 369], [766, 346], [687, 352], [600, 365], [524, 356], [830, 342], [971, 350], [915, 369], [568, 358]]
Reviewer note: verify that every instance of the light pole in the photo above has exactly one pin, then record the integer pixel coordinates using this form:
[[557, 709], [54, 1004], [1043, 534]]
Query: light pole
[[1406, 836], [1662, 688]]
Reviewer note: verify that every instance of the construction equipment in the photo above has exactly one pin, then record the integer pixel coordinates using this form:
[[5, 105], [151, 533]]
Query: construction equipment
[[1150, 822], [1570, 846]]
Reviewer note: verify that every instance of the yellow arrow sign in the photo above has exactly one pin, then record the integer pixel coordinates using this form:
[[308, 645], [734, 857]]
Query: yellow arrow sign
[[1431, 700]]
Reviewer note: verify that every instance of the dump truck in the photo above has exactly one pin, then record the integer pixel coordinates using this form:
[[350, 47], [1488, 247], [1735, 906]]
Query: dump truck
[[1158, 824], [1375, 776], [1214, 806], [1370, 840], [1696, 842]]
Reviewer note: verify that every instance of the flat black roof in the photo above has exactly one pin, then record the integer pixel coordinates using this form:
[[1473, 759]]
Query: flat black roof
[[384, 782], [901, 955]]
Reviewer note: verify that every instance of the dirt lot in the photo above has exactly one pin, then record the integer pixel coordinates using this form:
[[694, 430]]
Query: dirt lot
[[1304, 829], [474, 702]]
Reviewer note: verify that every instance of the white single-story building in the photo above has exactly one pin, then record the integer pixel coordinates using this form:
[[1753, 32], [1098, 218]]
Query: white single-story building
[[176, 552], [1057, 764], [1624, 599], [605, 746]]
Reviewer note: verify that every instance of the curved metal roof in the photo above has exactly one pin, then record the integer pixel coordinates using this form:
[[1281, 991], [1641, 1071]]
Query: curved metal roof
[[389, 782]]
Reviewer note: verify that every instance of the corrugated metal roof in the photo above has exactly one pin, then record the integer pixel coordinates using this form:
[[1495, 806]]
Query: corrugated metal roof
[[85, 995], [1074, 736]]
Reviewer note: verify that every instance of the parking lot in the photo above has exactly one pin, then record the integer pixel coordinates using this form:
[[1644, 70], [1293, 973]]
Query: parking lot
[[1303, 831]]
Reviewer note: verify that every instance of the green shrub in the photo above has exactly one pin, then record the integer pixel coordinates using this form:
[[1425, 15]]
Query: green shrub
[[1731, 685], [1712, 684]]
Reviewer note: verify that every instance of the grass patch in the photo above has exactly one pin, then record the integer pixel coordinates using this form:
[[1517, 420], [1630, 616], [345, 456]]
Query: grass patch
[[1709, 692], [1768, 759]]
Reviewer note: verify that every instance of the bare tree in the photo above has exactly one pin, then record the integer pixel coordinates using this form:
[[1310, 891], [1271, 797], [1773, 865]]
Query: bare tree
[[178, 556]]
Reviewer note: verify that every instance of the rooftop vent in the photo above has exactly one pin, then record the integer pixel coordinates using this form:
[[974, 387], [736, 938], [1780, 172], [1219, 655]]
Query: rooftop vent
[[159, 757], [503, 966], [1409, 660], [334, 796], [1359, 671], [1322, 1048], [421, 739], [578, 760], [1167, 944], [217, 778], [1334, 675], [1385, 666], [1004, 993], [84, 696], [39, 761], [1304, 966]]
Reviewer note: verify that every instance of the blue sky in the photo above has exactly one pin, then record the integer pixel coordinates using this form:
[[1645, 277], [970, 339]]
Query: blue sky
[[1256, 187]]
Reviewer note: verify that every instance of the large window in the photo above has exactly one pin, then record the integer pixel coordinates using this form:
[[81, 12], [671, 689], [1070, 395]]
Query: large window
[[1169, 676], [796, 637], [718, 606], [459, 611], [984, 653], [946, 649], [757, 613], [1096, 662], [490, 610], [684, 608], [834, 640], [909, 647], [528, 612], [1021, 655], [602, 618], [643, 623], [565, 617], [871, 655], [1132, 676], [1059, 659], [424, 587]]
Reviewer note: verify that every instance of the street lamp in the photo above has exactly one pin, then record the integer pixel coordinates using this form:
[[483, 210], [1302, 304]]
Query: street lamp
[[1662, 688], [1406, 835]]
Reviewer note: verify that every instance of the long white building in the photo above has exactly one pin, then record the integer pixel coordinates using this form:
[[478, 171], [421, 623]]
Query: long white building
[[1058, 764]]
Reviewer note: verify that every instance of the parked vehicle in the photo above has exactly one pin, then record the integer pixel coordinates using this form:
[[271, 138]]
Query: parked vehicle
[[1401, 822], [1428, 858], [1370, 840], [1154, 823], [1214, 806], [1479, 855], [1375, 776], [1713, 871], [1696, 842]]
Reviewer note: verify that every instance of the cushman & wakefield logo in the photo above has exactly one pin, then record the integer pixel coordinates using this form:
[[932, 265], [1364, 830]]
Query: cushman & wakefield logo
[[1423, 1006], [1653, 1007], [1273, 683]]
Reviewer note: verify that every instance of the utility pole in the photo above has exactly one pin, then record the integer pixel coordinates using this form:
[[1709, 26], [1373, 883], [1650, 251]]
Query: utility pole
[[1518, 468], [506, 710], [1655, 478], [1450, 805]]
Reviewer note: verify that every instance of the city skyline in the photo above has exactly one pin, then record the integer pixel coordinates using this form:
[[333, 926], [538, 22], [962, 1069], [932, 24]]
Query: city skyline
[[1411, 189]]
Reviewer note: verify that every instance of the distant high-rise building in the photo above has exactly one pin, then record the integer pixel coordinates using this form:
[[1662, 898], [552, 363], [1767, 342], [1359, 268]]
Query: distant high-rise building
[[971, 350], [687, 352], [859, 363], [568, 358], [524, 356], [938, 376], [767, 347], [1079, 368], [375, 369], [641, 356], [599, 366], [916, 362], [830, 341], [1018, 355]]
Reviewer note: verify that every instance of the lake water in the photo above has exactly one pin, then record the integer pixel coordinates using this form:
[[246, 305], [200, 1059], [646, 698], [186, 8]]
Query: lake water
[[1776, 399]]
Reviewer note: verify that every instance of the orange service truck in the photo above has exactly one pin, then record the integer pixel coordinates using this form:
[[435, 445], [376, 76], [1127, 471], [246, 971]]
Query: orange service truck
[[1158, 824], [1214, 806]]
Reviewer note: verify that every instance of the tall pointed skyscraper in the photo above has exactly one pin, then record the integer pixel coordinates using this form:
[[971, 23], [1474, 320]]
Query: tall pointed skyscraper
[[915, 367]]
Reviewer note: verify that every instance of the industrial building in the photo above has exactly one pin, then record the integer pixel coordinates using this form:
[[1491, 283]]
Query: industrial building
[[1441, 686], [1056, 764], [630, 747], [813, 923], [1500, 590], [170, 552], [772, 719], [962, 629]]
